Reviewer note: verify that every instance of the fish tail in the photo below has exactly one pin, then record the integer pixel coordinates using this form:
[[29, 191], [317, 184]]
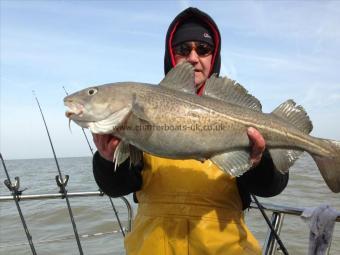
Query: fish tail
[[329, 165]]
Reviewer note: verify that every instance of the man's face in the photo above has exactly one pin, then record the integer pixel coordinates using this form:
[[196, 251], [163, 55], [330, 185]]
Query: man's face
[[199, 55]]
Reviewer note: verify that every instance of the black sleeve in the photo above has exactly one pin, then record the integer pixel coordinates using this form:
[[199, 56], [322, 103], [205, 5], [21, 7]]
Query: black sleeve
[[121, 182], [263, 180]]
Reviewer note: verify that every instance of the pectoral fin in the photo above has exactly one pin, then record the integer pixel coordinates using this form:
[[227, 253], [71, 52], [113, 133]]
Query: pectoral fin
[[136, 155], [140, 112], [235, 163], [121, 154], [124, 151]]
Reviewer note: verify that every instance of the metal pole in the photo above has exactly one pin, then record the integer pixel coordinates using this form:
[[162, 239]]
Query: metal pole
[[116, 213], [130, 213], [62, 182], [71, 194], [270, 244], [14, 190], [283, 248]]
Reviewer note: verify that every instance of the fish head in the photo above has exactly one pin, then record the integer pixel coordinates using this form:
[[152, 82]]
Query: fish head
[[98, 106]]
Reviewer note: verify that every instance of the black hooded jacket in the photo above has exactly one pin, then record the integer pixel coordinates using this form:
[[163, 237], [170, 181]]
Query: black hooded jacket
[[262, 180], [188, 13]]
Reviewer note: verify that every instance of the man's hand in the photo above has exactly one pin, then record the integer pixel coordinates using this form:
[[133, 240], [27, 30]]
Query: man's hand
[[106, 145], [257, 144]]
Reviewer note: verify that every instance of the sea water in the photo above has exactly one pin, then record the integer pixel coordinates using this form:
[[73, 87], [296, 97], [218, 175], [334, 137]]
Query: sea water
[[49, 223]]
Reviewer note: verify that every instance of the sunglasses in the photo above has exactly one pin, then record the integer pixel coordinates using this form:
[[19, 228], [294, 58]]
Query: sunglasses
[[184, 49]]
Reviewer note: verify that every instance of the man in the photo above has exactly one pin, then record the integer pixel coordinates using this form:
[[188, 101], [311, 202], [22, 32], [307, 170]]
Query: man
[[185, 206]]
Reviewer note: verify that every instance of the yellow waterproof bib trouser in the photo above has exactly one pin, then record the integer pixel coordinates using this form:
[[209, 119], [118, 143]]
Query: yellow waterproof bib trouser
[[188, 207]]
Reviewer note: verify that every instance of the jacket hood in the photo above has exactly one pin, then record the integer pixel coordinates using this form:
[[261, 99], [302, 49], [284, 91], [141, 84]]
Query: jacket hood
[[169, 61]]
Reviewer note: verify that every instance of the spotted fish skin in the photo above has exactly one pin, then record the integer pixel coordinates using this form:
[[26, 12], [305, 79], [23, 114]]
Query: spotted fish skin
[[171, 121]]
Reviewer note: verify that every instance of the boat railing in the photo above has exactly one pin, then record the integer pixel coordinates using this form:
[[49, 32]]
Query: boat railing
[[73, 195], [270, 246]]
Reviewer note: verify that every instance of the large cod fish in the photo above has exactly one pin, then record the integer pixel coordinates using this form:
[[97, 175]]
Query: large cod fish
[[171, 121]]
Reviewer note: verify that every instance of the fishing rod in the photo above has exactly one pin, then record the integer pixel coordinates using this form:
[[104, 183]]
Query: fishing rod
[[261, 208], [15, 192], [112, 204], [62, 181]]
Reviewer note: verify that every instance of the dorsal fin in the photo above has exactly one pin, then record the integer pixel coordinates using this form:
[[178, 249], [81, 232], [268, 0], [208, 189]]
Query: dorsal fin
[[230, 91], [295, 115], [181, 78]]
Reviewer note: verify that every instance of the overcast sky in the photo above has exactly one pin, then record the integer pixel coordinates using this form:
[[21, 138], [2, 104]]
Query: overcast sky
[[278, 50]]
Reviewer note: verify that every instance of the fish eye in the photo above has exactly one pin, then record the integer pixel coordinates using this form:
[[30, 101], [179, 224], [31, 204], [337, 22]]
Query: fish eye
[[92, 91]]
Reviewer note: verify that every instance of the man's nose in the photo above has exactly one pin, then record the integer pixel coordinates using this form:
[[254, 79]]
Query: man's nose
[[192, 57]]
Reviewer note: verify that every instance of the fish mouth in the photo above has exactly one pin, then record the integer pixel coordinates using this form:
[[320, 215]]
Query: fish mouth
[[75, 110], [69, 114]]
